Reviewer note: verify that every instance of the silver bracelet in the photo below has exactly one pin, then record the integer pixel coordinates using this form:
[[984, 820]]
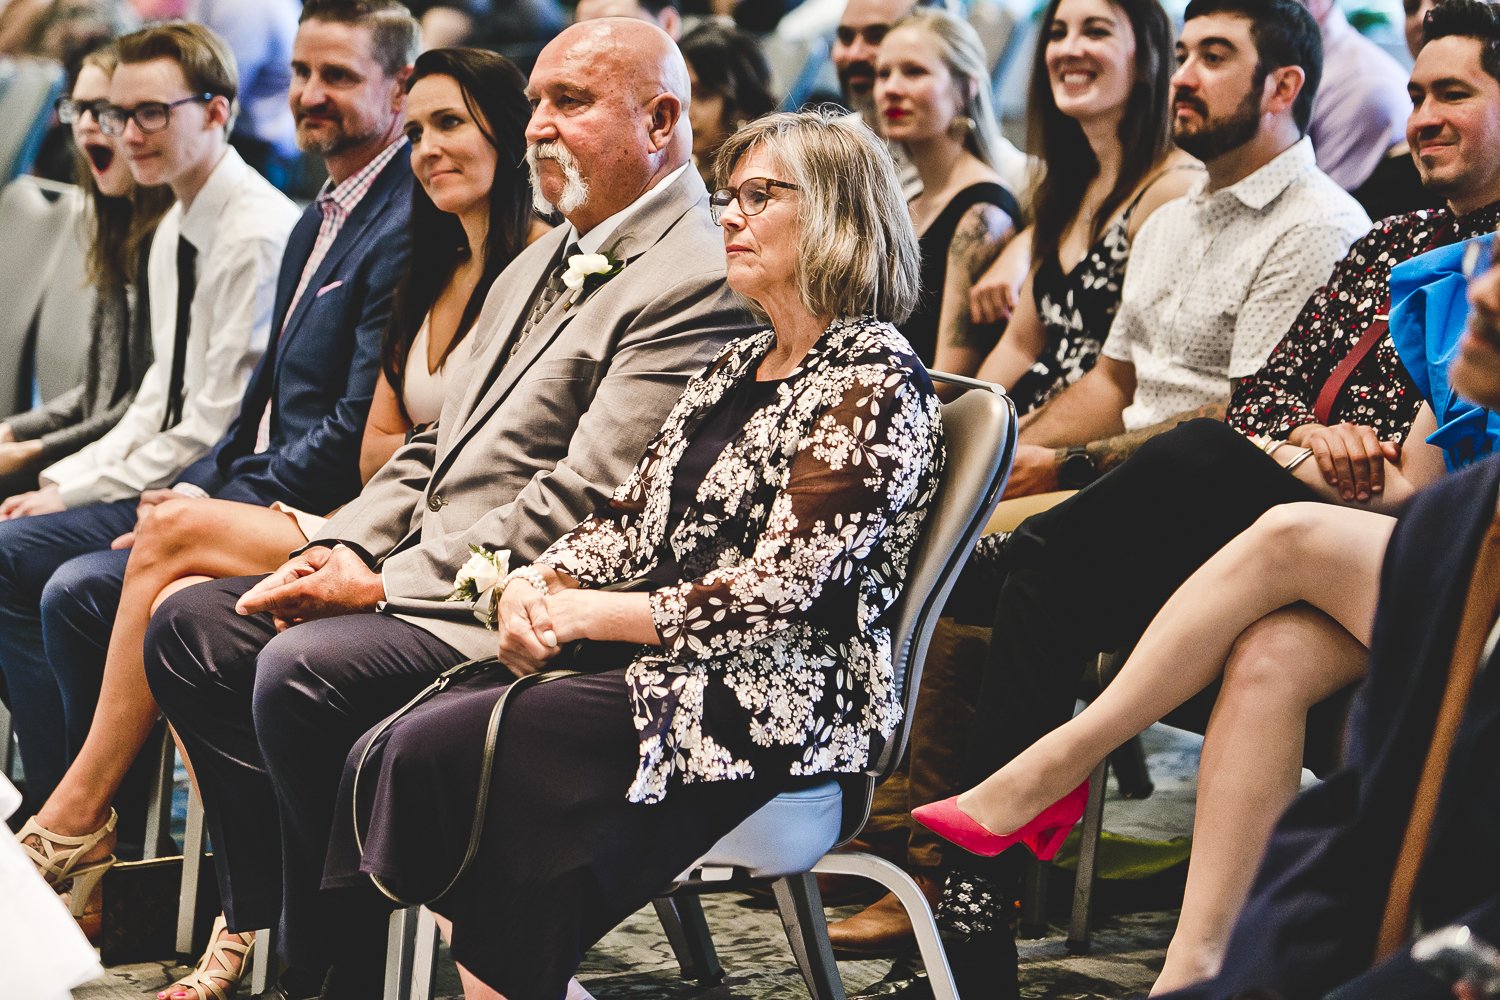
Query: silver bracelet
[[530, 574], [1303, 456]]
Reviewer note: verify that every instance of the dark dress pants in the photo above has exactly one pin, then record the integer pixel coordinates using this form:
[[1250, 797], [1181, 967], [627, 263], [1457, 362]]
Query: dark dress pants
[[1088, 575], [267, 720], [32, 549]]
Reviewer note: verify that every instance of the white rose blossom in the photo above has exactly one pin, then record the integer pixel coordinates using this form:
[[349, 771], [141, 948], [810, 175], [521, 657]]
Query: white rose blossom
[[478, 579]]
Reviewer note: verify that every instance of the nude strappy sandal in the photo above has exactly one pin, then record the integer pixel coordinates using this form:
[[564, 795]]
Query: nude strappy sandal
[[212, 978], [59, 860]]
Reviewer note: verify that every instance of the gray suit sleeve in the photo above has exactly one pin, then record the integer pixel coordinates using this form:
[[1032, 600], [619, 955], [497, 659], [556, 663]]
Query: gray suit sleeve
[[371, 520], [665, 345]]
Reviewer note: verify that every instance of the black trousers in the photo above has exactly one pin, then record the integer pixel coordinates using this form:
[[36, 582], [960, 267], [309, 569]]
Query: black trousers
[[1088, 575], [564, 855], [267, 720]]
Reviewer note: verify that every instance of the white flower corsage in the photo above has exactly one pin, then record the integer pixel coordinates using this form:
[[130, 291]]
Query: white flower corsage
[[477, 581], [587, 271]]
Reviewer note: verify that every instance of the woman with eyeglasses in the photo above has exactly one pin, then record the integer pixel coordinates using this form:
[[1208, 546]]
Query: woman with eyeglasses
[[122, 216], [761, 540]]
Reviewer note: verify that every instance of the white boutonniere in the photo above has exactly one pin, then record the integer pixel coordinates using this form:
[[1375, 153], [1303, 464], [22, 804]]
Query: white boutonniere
[[587, 271], [477, 580]]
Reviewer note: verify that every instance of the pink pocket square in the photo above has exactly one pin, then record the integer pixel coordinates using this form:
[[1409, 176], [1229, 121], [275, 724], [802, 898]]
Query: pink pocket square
[[328, 288]]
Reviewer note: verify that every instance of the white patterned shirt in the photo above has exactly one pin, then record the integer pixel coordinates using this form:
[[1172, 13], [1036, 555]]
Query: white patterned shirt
[[1216, 279]]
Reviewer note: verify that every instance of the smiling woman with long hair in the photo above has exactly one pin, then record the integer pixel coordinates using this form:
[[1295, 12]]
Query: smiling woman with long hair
[[932, 96], [1097, 120]]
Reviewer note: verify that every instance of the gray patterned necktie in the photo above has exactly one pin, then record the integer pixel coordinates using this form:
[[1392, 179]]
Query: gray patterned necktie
[[550, 290]]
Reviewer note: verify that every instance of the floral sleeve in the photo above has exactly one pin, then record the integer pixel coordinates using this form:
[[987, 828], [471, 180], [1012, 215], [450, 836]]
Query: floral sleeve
[[605, 547], [1281, 395], [852, 478]]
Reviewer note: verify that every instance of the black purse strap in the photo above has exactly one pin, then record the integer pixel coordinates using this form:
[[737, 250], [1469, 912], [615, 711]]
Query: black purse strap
[[487, 768]]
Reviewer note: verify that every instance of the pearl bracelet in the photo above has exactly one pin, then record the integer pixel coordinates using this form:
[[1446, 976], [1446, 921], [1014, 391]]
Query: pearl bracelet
[[531, 575]]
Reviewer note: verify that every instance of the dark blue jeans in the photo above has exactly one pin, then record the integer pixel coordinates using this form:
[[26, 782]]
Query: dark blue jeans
[[50, 727]]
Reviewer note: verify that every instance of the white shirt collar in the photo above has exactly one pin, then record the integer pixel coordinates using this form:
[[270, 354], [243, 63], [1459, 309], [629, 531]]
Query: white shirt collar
[[593, 240], [201, 222]]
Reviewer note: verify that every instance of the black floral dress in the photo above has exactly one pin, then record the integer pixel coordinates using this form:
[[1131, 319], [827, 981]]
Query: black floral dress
[[1077, 308]]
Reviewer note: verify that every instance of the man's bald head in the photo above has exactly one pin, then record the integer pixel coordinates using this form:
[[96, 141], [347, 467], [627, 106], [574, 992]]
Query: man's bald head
[[613, 93]]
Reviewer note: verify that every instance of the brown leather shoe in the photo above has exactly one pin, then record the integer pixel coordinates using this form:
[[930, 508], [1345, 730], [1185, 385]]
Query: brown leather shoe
[[882, 928]]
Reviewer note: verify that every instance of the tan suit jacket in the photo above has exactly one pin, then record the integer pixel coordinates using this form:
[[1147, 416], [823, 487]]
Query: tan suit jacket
[[524, 449]]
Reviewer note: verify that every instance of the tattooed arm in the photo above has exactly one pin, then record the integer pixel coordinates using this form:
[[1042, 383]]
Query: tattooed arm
[[977, 241], [1020, 345], [1036, 465], [1111, 451]]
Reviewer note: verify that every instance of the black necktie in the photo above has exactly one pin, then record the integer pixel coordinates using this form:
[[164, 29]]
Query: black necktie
[[187, 279]]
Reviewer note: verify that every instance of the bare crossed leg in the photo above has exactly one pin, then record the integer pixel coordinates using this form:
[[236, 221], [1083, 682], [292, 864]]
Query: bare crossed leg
[[1283, 614]]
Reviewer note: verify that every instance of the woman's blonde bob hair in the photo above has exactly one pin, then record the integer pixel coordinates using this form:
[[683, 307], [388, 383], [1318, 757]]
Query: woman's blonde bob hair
[[857, 251]]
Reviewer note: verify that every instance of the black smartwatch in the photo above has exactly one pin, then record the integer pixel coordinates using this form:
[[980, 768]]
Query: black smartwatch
[[1077, 469]]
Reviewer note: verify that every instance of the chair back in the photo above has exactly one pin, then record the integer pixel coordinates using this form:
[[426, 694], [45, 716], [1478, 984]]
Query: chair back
[[64, 321], [28, 86], [40, 220], [979, 434]]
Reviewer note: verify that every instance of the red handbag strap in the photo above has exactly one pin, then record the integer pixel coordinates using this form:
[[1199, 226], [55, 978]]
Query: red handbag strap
[[1335, 384]]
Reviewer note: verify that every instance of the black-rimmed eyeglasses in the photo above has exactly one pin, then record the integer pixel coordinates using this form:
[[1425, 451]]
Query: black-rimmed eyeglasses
[[753, 194], [151, 116], [70, 111]]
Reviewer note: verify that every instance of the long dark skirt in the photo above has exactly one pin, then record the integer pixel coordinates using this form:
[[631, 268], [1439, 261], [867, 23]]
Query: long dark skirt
[[564, 856]]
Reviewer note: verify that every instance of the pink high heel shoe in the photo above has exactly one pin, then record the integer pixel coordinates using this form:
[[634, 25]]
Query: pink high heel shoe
[[1044, 835]]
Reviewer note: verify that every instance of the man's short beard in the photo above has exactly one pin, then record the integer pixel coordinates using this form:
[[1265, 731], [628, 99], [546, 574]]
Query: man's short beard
[[861, 104], [575, 192], [1223, 135], [330, 139]]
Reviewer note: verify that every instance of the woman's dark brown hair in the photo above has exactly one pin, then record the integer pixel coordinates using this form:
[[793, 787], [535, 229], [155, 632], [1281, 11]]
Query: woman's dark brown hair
[[495, 95], [1058, 141]]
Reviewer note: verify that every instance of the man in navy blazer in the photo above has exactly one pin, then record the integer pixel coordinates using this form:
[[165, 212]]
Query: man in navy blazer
[[1309, 926], [297, 437]]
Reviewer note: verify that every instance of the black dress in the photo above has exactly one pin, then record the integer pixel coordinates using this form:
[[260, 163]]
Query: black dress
[[564, 856], [922, 328]]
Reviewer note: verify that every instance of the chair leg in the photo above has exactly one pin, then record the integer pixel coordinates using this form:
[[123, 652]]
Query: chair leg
[[424, 957], [687, 932], [7, 743], [1132, 776], [263, 963], [801, 907], [400, 954], [159, 804], [1088, 856], [192, 867], [1034, 900], [934, 958]]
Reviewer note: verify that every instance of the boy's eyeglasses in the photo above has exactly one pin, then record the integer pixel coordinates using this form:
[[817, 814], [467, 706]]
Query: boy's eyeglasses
[[151, 116]]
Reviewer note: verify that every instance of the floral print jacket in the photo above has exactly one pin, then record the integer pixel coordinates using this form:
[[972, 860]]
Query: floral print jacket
[[776, 653]]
